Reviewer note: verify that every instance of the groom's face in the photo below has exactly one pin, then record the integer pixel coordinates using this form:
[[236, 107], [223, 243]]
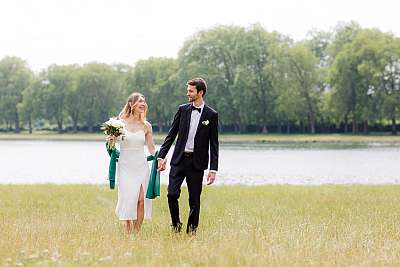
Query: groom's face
[[192, 93]]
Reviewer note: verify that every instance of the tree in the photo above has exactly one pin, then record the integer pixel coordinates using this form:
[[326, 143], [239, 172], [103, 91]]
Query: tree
[[58, 82], [358, 73], [98, 94], [261, 54], [381, 68], [73, 99], [152, 77], [318, 42], [30, 107], [390, 86], [215, 55], [303, 76], [343, 34], [15, 77]]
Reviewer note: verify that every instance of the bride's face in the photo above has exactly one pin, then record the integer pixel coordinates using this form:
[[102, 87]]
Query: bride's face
[[140, 105]]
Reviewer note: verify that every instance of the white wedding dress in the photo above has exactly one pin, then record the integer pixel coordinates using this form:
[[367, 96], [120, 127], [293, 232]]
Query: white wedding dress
[[132, 172]]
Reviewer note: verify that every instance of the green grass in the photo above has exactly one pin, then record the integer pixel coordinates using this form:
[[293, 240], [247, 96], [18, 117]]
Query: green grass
[[225, 138], [75, 225]]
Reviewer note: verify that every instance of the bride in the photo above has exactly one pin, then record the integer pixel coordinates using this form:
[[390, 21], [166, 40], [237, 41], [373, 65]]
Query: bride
[[133, 171]]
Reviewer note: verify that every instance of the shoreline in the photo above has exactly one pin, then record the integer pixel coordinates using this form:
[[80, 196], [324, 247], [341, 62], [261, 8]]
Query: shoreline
[[224, 138]]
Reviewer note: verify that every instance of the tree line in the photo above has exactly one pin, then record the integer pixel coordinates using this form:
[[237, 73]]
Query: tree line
[[344, 80]]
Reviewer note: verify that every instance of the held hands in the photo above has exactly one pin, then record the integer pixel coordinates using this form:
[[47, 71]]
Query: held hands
[[162, 164], [211, 178]]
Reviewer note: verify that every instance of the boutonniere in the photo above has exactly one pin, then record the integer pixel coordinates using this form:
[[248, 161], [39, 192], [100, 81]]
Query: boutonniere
[[205, 122]]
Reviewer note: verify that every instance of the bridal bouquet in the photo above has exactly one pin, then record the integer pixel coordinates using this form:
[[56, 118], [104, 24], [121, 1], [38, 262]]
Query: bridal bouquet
[[113, 127]]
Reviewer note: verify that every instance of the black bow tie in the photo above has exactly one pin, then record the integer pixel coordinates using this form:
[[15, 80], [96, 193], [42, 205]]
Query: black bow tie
[[198, 109]]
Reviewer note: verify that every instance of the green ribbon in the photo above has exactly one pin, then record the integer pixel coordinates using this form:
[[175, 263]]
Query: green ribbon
[[153, 188], [114, 155]]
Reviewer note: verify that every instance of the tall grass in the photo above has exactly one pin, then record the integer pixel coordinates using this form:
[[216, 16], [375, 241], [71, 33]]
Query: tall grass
[[75, 225]]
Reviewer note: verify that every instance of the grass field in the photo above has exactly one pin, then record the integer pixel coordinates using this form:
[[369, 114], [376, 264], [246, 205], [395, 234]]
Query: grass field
[[75, 225], [227, 138]]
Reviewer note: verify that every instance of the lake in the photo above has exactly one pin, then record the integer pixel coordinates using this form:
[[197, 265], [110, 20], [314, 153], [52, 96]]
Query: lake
[[64, 162]]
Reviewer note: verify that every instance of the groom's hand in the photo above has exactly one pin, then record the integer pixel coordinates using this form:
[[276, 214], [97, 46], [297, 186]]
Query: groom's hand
[[162, 164], [211, 178]]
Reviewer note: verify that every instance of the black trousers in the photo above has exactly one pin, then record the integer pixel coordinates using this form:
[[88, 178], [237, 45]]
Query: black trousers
[[194, 181]]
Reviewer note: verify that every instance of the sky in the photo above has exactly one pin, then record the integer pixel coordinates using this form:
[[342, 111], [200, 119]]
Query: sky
[[45, 32]]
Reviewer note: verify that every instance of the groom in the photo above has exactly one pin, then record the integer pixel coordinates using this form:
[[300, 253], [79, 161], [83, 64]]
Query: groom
[[196, 125]]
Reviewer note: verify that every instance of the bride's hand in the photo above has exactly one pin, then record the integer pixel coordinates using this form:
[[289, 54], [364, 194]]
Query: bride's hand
[[162, 163], [164, 166], [111, 139]]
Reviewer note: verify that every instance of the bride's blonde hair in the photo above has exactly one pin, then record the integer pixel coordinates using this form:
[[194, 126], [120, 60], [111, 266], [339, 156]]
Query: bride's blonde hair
[[130, 106]]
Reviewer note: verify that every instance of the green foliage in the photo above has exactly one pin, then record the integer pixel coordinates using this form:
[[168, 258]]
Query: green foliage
[[216, 55], [257, 80], [363, 73], [15, 77], [303, 77], [98, 93], [154, 78]]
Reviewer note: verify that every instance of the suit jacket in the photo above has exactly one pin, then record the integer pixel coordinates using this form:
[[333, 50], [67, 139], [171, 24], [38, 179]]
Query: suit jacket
[[206, 138]]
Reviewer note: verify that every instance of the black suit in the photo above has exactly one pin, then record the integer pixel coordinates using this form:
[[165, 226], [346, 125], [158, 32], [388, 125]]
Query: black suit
[[190, 166]]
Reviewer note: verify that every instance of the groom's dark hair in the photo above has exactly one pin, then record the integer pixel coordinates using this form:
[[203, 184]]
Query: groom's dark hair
[[200, 84]]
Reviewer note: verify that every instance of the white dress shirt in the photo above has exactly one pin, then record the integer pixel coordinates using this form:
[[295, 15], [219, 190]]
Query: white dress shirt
[[194, 123]]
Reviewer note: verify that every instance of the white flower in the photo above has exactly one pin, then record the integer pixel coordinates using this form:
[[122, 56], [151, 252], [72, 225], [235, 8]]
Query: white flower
[[116, 123], [205, 122]]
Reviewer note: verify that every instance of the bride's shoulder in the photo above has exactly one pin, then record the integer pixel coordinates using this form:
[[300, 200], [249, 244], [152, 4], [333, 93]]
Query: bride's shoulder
[[147, 126]]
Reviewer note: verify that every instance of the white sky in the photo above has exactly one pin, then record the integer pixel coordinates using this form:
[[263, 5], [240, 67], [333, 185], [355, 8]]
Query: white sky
[[78, 31]]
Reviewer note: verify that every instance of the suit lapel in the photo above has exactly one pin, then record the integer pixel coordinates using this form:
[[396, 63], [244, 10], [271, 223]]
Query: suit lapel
[[188, 115], [202, 117]]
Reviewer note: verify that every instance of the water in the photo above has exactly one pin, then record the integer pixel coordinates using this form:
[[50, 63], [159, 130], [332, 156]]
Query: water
[[62, 162]]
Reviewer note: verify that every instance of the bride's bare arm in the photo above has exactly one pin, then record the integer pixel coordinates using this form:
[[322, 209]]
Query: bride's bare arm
[[149, 138]]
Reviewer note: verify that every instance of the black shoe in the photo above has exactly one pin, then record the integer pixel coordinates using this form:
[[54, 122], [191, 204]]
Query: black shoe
[[176, 228], [191, 230]]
